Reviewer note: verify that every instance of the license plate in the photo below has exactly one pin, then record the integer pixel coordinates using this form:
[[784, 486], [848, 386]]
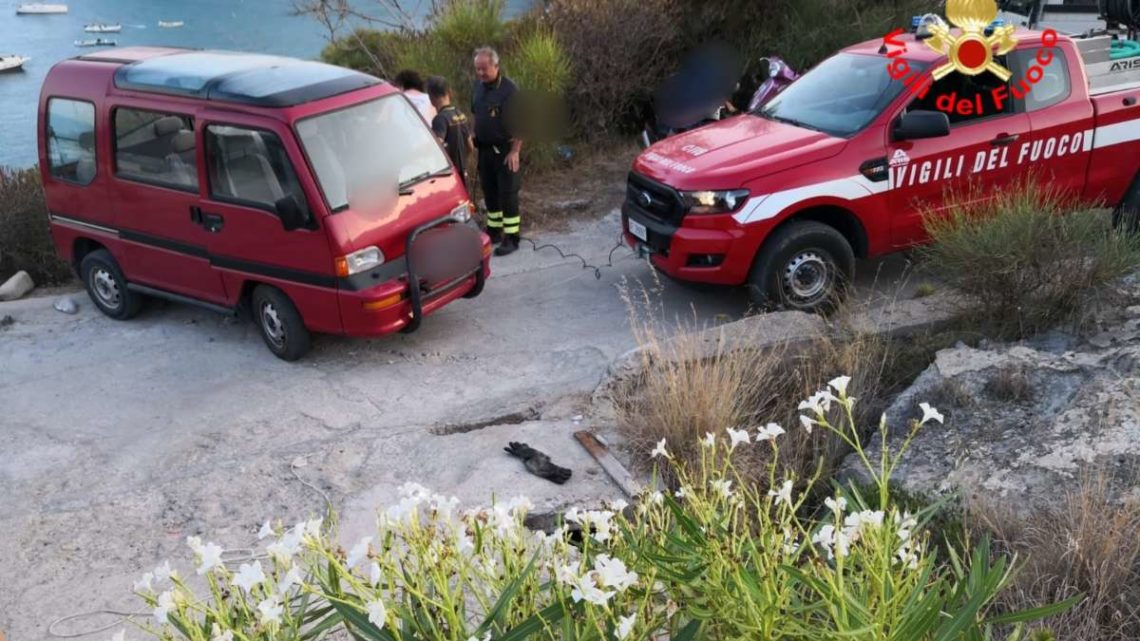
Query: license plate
[[638, 230]]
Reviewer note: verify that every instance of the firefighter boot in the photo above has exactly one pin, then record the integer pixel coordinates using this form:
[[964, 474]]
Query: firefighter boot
[[509, 245]]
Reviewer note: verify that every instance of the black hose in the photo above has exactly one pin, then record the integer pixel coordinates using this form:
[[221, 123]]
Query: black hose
[[585, 265], [1125, 12]]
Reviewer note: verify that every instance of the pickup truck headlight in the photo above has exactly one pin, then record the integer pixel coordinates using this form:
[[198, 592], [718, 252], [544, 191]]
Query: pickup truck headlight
[[714, 202], [359, 261]]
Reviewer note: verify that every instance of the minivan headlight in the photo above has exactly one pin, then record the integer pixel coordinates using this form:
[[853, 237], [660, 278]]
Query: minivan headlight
[[359, 261], [714, 202], [463, 212]]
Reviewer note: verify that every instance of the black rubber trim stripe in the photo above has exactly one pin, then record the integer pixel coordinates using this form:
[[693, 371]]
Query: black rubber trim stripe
[[386, 272]]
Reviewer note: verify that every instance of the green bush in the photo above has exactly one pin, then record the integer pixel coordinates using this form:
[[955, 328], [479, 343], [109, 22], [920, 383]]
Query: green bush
[[542, 71], [1029, 258], [25, 236]]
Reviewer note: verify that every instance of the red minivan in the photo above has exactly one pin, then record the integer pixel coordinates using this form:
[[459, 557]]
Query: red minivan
[[313, 196]]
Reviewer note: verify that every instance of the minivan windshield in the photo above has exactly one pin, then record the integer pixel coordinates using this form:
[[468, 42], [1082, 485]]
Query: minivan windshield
[[840, 96], [380, 146]]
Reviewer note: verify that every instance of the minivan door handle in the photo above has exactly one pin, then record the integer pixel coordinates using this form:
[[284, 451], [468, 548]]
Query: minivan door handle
[[1004, 139], [212, 222]]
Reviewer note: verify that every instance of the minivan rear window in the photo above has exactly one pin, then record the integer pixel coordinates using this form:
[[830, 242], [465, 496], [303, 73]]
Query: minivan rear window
[[379, 144], [71, 140]]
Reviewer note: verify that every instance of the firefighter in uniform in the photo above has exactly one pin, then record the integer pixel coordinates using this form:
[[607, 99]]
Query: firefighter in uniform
[[498, 149]]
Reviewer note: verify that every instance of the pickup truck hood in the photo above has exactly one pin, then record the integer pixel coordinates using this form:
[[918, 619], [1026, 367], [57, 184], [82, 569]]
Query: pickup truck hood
[[732, 152]]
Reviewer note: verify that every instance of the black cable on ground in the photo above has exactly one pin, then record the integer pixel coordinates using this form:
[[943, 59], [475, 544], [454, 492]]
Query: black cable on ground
[[585, 265]]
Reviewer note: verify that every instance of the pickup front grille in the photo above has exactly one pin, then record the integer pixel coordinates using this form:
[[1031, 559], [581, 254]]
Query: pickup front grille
[[660, 202]]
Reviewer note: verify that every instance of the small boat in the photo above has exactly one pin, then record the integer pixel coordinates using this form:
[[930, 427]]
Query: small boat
[[12, 62], [98, 42], [102, 27], [40, 8], [171, 24]]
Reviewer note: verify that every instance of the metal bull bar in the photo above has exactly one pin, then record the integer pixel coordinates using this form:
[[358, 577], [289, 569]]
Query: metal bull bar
[[415, 289]]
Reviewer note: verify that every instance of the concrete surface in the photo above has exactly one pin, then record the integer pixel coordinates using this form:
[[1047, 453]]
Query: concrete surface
[[122, 438]]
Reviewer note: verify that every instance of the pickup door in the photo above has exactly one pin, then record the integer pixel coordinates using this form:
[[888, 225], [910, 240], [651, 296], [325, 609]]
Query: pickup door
[[1061, 117], [975, 160]]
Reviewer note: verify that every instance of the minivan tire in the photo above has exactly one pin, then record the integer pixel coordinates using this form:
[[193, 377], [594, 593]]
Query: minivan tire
[[804, 266], [107, 286], [1126, 217], [280, 324]]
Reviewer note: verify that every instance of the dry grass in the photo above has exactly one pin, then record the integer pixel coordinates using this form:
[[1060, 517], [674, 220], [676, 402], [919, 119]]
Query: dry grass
[[591, 184], [1088, 544], [694, 383], [25, 236], [1011, 385]]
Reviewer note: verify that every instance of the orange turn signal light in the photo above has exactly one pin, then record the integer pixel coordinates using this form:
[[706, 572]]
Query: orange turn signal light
[[487, 250], [383, 303], [341, 265]]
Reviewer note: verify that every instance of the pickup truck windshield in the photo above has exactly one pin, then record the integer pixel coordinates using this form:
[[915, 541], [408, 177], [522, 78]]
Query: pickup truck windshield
[[380, 145], [840, 96]]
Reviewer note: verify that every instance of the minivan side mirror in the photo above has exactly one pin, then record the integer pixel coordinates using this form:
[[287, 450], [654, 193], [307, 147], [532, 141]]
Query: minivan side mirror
[[289, 210], [922, 124]]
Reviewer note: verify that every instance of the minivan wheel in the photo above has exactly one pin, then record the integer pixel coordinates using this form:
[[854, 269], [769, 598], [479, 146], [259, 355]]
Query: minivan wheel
[[280, 324], [107, 287], [805, 266]]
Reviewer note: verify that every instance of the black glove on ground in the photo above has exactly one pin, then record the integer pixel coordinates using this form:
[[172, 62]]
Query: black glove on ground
[[538, 463]]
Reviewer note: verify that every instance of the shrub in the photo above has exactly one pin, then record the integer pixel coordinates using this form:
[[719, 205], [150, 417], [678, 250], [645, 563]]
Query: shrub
[[1028, 258], [542, 71], [366, 50], [619, 51], [718, 560], [25, 234]]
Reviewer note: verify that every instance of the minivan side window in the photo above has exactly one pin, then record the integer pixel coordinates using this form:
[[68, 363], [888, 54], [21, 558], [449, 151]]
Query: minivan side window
[[1053, 87], [71, 140], [157, 148], [250, 167]]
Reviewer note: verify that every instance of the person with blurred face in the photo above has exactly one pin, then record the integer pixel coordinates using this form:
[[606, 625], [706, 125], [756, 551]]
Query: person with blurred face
[[412, 84], [498, 150]]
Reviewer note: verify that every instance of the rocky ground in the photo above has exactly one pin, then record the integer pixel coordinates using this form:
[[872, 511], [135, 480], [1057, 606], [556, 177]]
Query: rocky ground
[[1025, 422]]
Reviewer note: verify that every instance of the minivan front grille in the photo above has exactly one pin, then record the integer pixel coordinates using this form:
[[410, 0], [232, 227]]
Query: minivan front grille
[[654, 199]]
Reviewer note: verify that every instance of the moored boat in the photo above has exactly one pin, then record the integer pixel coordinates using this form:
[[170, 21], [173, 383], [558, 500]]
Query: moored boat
[[170, 24], [40, 8], [102, 27], [12, 62], [98, 42]]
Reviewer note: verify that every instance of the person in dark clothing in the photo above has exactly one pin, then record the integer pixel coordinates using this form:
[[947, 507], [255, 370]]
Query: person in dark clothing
[[499, 148], [450, 125]]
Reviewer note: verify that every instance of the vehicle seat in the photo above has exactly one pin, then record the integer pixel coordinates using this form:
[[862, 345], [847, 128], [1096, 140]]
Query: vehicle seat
[[181, 164], [85, 167], [248, 173]]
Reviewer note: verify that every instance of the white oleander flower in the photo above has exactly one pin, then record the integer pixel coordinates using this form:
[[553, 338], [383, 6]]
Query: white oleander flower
[[839, 384], [709, 441], [769, 432], [807, 423], [613, 573], [374, 574], [825, 538], [737, 437], [625, 626], [377, 613], [143, 584], [586, 589], [210, 557], [836, 505], [164, 606], [249, 575], [819, 403], [784, 494], [265, 531], [723, 487], [121, 635], [358, 552], [680, 493], [659, 450], [929, 414], [657, 498], [291, 578], [270, 610], [163, 572], [618, 505]]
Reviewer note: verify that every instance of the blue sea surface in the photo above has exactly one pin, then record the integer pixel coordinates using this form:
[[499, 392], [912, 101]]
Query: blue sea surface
[[263, 26]]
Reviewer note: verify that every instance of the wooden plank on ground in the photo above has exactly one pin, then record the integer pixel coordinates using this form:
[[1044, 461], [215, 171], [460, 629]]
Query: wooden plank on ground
[[609, 463]]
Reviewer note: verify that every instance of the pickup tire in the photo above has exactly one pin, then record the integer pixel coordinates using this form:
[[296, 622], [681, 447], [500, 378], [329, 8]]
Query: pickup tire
[[1126, 216], [107, 286], [280, 323], [804, 266]]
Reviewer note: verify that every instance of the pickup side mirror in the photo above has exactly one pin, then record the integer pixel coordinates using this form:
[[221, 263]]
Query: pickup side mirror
[[922, 124], [291, 213]]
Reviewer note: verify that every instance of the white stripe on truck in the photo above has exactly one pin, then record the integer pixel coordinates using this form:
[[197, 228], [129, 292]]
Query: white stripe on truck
[[765, 207]]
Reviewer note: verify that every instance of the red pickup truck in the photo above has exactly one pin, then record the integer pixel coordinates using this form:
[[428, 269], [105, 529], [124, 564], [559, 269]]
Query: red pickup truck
[[844, 163]]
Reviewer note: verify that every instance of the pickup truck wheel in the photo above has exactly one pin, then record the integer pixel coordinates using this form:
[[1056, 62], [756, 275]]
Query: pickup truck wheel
[[280, 324], [1126, 217], [107, 287], [805, 266]]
